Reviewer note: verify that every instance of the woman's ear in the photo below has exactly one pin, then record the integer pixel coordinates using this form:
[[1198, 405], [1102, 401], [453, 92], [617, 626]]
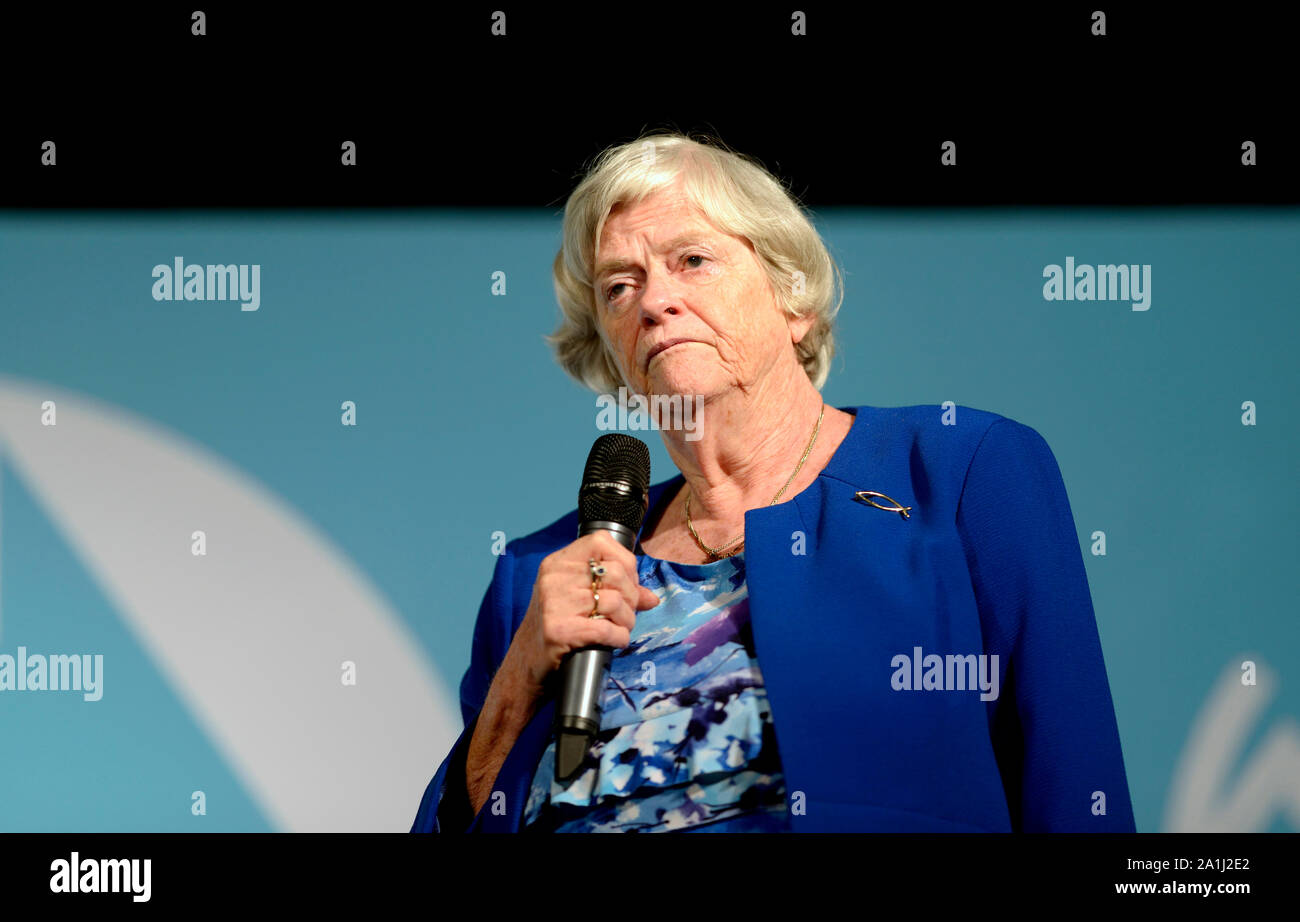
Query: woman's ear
[[799, 326]]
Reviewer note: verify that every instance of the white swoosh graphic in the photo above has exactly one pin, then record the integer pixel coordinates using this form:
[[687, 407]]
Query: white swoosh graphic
[[251, 636]]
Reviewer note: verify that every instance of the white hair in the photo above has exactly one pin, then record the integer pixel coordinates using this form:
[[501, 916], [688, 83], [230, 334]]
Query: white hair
[[734, 193]]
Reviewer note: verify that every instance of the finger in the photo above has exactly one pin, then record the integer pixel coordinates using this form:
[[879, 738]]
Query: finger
[[636, 597], [624, 578], [614, 606], [584, 632], [598, 548], [609, 550], [611, 634]]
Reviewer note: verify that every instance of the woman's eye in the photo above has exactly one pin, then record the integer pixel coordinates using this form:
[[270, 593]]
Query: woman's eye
[[612, 292]]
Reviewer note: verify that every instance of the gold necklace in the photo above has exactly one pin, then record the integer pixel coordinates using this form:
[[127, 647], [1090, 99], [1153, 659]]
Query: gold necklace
[[717, 553]]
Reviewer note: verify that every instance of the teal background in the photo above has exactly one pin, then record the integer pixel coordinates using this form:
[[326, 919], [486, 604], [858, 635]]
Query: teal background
[[467, 426]]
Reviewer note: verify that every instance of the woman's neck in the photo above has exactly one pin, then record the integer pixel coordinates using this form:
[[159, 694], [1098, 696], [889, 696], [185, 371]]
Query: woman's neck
[[748, 446]]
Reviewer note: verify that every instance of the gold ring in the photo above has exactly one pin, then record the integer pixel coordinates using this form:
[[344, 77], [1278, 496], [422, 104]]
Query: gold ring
[[597, 571]]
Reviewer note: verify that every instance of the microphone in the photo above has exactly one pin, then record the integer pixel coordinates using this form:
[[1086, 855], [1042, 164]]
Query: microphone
[[614, 495]]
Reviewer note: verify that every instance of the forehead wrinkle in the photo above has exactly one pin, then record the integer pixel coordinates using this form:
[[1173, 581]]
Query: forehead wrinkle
[[618, 265]]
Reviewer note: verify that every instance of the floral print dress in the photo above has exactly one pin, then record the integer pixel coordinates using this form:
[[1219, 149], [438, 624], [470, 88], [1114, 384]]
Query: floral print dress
[[686, 740]]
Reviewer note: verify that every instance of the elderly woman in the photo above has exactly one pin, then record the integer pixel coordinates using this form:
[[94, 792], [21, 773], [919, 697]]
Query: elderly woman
[[836, 619]]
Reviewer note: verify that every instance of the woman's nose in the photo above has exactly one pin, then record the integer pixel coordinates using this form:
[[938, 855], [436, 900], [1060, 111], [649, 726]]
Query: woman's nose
[[660, 296]]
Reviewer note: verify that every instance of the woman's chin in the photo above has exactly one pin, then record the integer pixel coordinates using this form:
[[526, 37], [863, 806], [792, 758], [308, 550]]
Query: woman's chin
[[679, 382]]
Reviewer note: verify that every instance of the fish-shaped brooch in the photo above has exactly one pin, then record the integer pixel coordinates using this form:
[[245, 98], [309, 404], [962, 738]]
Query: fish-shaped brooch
[[866, 496]]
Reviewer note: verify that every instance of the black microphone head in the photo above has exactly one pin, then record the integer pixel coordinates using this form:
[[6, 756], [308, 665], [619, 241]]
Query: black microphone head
[[616, 482]]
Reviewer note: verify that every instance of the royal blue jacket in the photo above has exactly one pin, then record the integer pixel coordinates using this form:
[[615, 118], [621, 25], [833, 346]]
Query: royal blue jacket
[[987, 562]]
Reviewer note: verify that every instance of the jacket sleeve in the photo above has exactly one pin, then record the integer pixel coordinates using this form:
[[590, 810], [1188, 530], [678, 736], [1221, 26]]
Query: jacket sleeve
[[1054, 729], [445, 806]]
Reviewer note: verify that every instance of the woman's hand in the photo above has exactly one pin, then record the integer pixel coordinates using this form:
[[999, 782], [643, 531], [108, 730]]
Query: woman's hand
[[557, 618], [555, 623]]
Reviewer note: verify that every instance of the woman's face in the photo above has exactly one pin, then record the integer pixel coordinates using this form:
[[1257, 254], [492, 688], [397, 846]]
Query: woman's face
[[662, 273]]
